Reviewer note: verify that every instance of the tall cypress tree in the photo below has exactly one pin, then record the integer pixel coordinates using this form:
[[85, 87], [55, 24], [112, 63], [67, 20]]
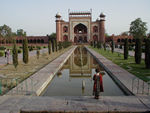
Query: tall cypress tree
[[112, 46], [138, 50], [56, 45], [98, 45], [147, 53], [38, 53], [94, 44], [53, 45], [25, 51], [59, 45], [49, 47], [126, 49], [15, 54], [104, 46], [91, 43]]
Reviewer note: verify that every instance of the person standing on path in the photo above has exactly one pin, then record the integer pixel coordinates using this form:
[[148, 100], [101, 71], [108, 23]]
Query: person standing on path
[[98, 83], [7, 55]]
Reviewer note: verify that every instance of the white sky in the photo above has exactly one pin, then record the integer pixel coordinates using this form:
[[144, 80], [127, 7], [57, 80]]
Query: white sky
[[37, 17]]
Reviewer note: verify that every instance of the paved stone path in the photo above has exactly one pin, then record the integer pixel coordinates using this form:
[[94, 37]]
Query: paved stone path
[[106, 104], [36, 83], [3, 60], [86, 104], [127, 81], [131, 53]]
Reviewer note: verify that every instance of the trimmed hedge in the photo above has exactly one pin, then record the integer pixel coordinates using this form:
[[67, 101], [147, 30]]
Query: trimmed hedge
[[66, 44], [2, 48], [38, 47]]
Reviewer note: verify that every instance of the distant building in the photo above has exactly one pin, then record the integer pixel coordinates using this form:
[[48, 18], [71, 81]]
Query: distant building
[[119, 39], [32, 40], [80, 28]]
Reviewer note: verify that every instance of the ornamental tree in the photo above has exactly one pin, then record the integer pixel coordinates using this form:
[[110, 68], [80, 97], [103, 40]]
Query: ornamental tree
[[147, 53], [138, 28], [126, 49], [138, 50], [55, 45], [25, 51], [112, 46], [49, 47], [59, 45], [15, 54], [104, 46]]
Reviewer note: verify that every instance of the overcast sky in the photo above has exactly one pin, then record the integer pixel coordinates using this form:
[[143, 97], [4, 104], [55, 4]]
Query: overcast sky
[[37, 17]]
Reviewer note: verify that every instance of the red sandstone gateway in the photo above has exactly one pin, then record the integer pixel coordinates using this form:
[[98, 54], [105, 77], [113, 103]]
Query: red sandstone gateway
[[80, 28]]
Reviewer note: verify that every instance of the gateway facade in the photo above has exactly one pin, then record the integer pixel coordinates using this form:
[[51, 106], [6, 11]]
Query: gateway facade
[[80, 28]]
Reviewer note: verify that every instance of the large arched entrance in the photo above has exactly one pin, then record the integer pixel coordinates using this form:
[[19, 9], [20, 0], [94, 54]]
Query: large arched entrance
[[80, 33]]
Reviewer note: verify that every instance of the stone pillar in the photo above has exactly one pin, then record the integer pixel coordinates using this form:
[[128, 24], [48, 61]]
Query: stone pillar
[[102, 28], [58, 27]]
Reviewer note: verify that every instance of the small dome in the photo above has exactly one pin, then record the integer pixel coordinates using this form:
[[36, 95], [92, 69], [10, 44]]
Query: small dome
[[102, 15], [58, 15]]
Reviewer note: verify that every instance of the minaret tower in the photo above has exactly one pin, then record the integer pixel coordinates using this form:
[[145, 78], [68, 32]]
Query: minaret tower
[[58, 27], [102, 28]]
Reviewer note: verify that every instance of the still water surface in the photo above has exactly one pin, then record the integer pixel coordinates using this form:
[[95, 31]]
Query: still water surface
[[75, 78]]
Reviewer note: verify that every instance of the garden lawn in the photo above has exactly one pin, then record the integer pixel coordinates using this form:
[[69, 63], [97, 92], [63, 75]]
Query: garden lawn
[[23, 71], [138, 70]]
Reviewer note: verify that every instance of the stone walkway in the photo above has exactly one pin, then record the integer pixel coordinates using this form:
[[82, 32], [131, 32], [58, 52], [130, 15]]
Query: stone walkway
[[36, 83], [127, 81], [86, 104], [3, 60], [131, 53]]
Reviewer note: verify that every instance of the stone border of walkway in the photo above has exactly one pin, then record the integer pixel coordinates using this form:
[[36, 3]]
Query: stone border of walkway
[[123, 78], [86, 104], [36, 84]]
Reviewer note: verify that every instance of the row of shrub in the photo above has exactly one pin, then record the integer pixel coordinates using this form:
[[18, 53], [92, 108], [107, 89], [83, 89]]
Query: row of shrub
[[30, 47], [60, 45], [2, 48], [138, 48], [66, 44]]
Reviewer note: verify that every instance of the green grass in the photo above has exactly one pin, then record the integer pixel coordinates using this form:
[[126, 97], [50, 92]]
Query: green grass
[[138, 70]]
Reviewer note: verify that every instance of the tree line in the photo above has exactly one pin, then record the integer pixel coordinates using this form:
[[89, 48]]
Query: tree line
[[53, 46], [7, 34], [138, 30]]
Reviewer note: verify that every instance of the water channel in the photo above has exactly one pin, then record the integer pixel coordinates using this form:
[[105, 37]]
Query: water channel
[[76, 77]]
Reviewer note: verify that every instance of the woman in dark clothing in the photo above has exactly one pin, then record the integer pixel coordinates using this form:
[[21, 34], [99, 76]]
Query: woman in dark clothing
[[98, 83]]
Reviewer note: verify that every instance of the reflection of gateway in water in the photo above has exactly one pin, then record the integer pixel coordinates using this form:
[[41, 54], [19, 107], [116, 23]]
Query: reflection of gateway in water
[[78, 69]]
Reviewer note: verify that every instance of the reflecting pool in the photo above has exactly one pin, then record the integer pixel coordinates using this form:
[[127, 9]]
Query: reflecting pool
[[76, 77]]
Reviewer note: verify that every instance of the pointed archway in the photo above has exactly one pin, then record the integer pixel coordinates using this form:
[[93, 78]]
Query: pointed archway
[[80, 32]]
